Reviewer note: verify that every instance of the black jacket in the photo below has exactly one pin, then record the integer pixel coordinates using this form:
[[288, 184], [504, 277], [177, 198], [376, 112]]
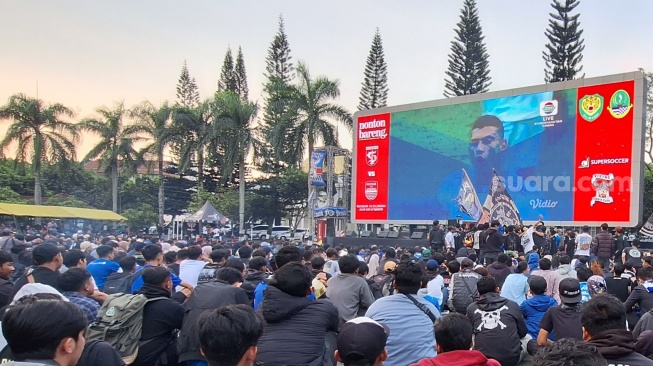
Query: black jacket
[[290, 318], [493, 242], [252, 279], [206, 296], [42, 275], [6, 288], [161, 320], [498, 328], [618, 347]]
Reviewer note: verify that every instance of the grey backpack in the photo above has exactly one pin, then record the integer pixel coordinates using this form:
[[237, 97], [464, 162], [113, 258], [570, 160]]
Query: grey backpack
[[119, 322]]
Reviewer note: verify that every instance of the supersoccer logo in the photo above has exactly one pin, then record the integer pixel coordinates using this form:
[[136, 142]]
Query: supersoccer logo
[[371, 155]]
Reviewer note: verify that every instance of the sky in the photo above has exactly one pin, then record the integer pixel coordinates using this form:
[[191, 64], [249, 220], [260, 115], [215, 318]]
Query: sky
[[87, 54]]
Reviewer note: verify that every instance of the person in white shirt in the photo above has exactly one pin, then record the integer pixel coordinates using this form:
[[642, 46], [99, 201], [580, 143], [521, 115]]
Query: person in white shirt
[[189, 269], [373, 263], [583, 243], [449, 241]]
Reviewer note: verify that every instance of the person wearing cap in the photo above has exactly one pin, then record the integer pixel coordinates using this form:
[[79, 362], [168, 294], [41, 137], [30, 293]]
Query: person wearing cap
[[410, 318], [583, 243], [603, 247], [362, 341], [435, 285], [603, 321], [499, 325], [462, 287], [349, 293], [47, 259], [563, 321], [534, 308], [455, 336]]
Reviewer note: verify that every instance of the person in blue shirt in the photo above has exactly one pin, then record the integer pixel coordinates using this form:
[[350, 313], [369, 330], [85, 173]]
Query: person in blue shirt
[[104, 266], [535, 307], [515, 287], [408, 317], [153, 255]]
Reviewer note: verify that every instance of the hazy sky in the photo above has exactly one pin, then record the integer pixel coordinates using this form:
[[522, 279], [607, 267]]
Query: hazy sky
[[87, 54]]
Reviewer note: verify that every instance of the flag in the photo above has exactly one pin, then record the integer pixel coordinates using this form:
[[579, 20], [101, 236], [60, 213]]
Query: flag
[[317, 167], [467, 199], [647, 229], [499, 206]]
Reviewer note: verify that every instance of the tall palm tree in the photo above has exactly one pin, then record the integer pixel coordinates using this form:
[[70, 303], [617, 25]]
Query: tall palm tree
[[233, 124], [309, 111], [116, 147], [194, 127], [40, 133], [156, 124]]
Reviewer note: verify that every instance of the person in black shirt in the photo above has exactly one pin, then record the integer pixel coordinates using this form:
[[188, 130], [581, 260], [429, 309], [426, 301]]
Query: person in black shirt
[[619, 287], [569, 243], [563, 321], [48, 260], [436, 237], [620, 243], [6, 269]]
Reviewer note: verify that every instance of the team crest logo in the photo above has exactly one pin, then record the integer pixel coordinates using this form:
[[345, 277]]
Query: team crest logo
[[111, 311], [602, 183], [620, 104], [590, 107], [371, 190], [371, 155]]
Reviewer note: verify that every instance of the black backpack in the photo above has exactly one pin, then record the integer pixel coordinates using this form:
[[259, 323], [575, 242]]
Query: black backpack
[[120, 283]]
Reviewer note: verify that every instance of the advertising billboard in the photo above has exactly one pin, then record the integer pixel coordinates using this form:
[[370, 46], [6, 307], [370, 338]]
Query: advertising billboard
[[572, 152]]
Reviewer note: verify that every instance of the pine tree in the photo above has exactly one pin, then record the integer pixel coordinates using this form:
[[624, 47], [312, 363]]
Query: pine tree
[[227, 74], [279, 73], [241, 76], [187, 94], [469, 68], [374, 92], [564, 51]]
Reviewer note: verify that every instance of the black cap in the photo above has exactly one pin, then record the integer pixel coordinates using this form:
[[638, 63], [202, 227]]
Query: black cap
[[362, 339], [570, 291], [44, 253]]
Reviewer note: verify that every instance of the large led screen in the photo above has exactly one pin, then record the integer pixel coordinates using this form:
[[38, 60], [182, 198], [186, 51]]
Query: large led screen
[[572, 155]]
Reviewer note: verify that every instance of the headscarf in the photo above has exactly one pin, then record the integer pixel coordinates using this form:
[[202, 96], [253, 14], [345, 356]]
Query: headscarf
[[36, 288], [206, 251], [596, 285]]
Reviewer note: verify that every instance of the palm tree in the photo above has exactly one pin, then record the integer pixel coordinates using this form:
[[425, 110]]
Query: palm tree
[[193, 126], [156, 123], [233, 125], [42, 137], [116, 147], [309, 110]]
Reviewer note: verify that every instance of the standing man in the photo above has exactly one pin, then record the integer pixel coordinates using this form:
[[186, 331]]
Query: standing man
[[583, 243], [104, 266], [569, 243], [450, 240], [436, 237], [620, 243], [603, 247], [493, 243]]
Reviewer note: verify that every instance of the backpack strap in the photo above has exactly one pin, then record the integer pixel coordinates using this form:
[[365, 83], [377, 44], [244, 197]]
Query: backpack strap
[[30, 275], [422, 307]]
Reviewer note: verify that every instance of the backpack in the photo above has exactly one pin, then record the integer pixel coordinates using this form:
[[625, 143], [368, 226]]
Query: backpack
[[119, 283], [384, 283], [119, 322]]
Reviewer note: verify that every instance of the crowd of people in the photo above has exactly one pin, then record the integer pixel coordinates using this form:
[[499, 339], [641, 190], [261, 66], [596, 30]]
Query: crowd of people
[[486, 295]]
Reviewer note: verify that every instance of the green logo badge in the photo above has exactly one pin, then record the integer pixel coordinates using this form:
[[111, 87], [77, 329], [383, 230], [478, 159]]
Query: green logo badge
[[620, 104], [590, 107], [111, 311]]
